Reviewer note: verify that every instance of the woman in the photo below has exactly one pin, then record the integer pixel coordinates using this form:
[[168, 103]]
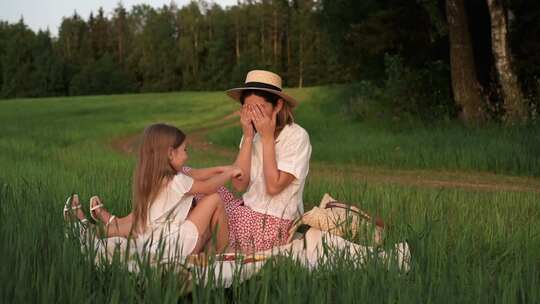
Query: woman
[[274, 156]]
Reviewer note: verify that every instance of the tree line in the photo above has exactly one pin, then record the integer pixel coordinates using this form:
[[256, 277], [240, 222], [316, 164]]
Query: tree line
[[477, 59]]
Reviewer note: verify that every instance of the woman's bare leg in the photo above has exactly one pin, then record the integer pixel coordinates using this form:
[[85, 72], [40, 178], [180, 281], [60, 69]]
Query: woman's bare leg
[[209, 216], [120, 226]]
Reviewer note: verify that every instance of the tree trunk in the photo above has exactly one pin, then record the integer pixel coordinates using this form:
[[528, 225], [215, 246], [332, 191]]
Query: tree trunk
[[465, 85], [274, 37], [516, 109], [237, 29], [301, 62], [121, 21], [237, 40], [263, 55]]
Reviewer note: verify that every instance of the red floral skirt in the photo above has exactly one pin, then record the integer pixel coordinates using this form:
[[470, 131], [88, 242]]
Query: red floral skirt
[[250, 230]]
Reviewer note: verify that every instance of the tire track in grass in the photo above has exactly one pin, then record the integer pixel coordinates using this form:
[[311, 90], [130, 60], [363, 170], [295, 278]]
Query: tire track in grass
[[196, 138]]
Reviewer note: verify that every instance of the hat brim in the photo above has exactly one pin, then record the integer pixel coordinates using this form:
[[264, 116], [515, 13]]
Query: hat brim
[[237, 92]]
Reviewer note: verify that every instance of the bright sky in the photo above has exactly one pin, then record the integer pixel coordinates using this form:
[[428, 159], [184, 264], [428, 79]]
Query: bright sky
[[43, 14]]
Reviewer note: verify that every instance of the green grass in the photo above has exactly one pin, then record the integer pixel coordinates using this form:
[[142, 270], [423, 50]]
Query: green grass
[[467, 246]]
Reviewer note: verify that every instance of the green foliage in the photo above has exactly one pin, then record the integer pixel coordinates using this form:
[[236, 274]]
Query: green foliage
[[407, 94], [158, 62], [17, 60], [29, 66], [49, 68], [423, 92], [365, 102], [102, 77]]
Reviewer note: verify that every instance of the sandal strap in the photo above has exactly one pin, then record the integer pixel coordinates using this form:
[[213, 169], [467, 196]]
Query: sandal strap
[[96, 207], [111, 219], [66, 209]]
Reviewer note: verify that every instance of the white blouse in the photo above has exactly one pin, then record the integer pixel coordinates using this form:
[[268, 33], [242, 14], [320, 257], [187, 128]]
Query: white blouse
[[293, 151]]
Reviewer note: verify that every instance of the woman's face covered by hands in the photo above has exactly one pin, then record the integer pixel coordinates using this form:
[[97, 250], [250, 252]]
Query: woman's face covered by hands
[[261, 113]]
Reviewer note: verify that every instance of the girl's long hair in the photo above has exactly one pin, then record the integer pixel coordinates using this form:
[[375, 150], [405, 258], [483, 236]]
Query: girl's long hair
[[153, 169]]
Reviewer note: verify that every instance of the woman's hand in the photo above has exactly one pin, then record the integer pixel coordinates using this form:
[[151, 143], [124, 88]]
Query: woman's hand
[[266, 126], [245, 122]]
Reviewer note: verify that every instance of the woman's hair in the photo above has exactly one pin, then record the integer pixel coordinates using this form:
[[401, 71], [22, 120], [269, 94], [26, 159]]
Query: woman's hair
[[153, 169], [284, 117]]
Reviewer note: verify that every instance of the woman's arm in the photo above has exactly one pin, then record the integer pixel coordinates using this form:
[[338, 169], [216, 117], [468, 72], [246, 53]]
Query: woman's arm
[[213, 183], [275, 179], [243, 160]]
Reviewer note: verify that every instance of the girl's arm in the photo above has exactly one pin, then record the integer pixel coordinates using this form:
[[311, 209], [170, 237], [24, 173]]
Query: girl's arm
[[206, 173], [213, 183]]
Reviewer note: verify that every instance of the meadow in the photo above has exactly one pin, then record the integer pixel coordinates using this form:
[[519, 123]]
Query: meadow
[[467, 200]]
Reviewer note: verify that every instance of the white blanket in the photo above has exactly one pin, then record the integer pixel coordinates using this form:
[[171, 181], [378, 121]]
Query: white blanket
[[313, 249]]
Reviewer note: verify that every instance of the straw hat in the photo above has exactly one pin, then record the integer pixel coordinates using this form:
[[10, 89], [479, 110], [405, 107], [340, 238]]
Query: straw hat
[[263, 81]]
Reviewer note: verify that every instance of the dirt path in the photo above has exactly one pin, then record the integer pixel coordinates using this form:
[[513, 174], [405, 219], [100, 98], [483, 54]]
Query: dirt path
[[473, 181]]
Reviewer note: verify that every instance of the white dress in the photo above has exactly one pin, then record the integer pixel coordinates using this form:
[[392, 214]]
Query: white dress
[[169, 235]]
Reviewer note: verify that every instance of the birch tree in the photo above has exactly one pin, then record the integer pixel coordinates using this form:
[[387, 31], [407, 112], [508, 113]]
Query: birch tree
[[514, 104]]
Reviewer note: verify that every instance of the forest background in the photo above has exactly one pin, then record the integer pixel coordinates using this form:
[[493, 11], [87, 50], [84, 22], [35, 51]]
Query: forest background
[[475, 60]]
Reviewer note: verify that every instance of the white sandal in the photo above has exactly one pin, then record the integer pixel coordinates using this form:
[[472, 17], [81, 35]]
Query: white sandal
[[81, 225], [69, 208], [96, 207]]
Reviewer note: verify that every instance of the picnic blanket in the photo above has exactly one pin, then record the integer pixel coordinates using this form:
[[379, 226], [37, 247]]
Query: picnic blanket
[[310, 249]]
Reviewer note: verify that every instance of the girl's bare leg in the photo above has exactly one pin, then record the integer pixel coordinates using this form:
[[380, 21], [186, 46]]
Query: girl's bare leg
[[120, 226], [209, 216], [220, 226]]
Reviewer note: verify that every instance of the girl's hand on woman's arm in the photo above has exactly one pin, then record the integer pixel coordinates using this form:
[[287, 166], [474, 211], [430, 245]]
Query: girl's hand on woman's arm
[[212, 184], [236, 173]]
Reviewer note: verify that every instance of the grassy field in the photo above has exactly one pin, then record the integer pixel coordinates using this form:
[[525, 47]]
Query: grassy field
[[470, 243]]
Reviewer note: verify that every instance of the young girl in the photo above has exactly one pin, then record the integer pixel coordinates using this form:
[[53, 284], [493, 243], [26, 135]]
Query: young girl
[[163, 215]]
